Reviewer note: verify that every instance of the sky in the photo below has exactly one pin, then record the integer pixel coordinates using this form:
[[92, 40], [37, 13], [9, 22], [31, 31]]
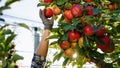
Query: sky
[[26, 9]]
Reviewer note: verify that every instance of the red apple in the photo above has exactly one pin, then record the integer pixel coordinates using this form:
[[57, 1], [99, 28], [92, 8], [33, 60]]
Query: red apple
[[112, 7], [64, 45], [69, 52], [88, 30], [76, 10], [48, 12], [56, 10], [90, 10], [101, 31], [109, 49], [68, 15], [67, 20], [73, 36], [47, 1], [106, 40], [87, 0]]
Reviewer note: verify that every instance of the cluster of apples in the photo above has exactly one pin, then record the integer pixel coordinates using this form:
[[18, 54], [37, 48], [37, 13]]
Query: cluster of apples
[[49, 12], [74, 36]]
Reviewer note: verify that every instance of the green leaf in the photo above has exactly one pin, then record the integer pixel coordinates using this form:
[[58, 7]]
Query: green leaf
[[43, 4], [4, 63], [97, 40], [58, 56], [54, 42], [65, 61], [1, 28], [67, 5], [118, 62], [67, 27], [17, 57], [23, 25], [75, 24], [85, 41], [10, 66], [55, 30], [79, 50], [2, 39], [9, 39], [8, 31], [96, 11], [9, 2], [63, 37], [61, 2], [118, 28], [95, 28], [52, 37]]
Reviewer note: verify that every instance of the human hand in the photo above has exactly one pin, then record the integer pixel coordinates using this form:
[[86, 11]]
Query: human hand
[[48, 23]]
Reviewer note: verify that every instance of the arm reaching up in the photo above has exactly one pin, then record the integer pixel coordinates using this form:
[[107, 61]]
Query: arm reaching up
[[38, 60]]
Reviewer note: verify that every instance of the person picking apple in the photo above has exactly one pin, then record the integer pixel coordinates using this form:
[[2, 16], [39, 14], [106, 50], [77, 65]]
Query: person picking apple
[[39, 57]]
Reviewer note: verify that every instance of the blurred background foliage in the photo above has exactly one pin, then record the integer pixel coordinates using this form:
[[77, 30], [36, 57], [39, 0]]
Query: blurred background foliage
[[8, 54]]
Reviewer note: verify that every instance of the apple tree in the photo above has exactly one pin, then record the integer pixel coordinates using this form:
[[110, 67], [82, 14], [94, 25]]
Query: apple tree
[[88, 28]]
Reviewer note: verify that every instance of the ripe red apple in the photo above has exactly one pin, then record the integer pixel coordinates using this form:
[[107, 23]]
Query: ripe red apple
[[88, 30], [68, 15], [101, 31], [73, 36], [109, 49], [47, 1], [112, 7], [64, 45], [87, 0], [56, 10], [106, 45], [67, 20], [76, 10], [48, 12], [69, 52], [90, 10]]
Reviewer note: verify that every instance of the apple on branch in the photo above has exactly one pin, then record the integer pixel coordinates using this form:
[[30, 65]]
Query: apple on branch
[[101, 31], [64, 45], [76, 10], [89, 10], [47, 1], [68, 15], [112, 7], [87, 0], [106, 46], [88, 30], [73, 35], [56, 10], [69, 52], [48, 12]]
